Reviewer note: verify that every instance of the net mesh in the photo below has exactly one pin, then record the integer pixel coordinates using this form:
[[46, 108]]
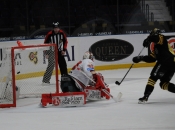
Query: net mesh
[[30, 66], [5, 75]]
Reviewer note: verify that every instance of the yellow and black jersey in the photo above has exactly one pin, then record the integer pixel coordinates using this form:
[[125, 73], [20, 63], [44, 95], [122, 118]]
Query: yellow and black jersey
[[162, 52]]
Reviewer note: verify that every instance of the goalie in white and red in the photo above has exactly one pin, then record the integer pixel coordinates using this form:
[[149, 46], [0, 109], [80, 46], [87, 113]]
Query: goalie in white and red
[[81, 84], [83, 77]]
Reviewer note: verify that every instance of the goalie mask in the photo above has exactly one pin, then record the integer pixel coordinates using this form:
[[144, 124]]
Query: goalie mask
[[88, 55]]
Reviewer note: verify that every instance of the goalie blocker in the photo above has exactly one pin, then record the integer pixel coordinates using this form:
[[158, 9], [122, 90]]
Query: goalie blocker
[[75, 93]]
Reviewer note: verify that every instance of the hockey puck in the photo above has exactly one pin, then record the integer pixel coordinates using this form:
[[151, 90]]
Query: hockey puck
[[16, 88]]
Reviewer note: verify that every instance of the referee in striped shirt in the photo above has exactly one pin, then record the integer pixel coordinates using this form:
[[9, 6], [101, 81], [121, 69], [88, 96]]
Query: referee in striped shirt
[[55, 36]]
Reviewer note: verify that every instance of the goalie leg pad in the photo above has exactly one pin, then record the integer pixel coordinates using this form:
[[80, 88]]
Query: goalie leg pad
[[103, 94], [68, 84], [64, 99], [92, 93]]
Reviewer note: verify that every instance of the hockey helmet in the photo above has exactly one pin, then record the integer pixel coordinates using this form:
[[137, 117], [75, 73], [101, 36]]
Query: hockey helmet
[[88, 55], [55, 24], [155, 31]]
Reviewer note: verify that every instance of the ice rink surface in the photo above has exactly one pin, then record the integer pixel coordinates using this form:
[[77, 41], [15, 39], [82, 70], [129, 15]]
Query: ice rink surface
[[157, 114]]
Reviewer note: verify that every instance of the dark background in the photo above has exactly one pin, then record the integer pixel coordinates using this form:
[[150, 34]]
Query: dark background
[[27, 19]]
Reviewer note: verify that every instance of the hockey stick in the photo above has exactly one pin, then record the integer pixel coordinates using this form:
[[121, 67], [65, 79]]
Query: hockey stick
[[117, 82], [116, 99]]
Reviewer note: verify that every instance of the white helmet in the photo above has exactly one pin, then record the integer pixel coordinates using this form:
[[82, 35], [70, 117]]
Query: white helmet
[[88, 55]]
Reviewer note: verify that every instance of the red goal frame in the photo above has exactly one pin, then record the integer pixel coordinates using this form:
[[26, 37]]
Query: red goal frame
[[13, 104]]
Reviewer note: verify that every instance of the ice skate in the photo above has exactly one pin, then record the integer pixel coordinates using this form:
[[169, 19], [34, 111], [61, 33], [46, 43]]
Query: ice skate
[[144, 99], [45, 83]]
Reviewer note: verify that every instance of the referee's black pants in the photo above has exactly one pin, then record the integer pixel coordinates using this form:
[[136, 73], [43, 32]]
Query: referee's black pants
[[51, 64]]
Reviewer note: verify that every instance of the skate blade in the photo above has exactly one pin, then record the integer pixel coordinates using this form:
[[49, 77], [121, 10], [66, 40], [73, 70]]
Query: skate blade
[[45, 84], [141, 102]]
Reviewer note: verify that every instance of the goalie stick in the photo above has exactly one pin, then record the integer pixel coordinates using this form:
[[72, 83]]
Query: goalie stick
[[117, 82], [116, 99]]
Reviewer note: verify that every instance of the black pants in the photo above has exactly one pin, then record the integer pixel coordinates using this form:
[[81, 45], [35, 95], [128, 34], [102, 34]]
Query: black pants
[[164, 73], [51, 64]]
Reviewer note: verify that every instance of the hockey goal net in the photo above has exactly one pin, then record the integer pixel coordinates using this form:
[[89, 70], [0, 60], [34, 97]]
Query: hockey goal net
[[21, 73]]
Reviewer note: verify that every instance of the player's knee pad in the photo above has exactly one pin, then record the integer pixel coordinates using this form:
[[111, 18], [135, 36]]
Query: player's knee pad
[[68, 84], [164, 85]]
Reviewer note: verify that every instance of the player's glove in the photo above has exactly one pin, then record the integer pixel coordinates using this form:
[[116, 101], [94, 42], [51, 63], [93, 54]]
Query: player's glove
[[146, 43], [137, 59], [94, 77]]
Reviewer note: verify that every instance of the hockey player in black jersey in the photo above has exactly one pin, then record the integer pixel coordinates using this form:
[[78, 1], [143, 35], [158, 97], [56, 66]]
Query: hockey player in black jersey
[[164, 68]]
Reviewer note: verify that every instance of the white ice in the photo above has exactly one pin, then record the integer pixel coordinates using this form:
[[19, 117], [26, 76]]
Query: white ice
[[157, 114]]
